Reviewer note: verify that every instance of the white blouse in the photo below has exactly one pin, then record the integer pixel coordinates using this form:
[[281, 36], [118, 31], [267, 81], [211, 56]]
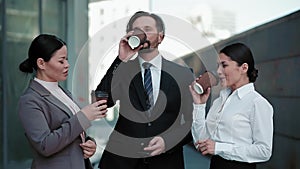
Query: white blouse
[[241, 124]]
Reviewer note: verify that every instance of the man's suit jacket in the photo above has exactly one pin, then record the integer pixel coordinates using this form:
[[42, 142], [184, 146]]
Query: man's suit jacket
[[170, 118], [51, 129]]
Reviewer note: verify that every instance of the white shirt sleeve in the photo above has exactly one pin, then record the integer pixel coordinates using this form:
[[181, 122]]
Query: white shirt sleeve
[[198, 125]]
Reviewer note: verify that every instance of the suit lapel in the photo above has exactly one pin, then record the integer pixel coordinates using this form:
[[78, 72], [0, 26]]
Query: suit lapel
[[48, 96], [137, 82], [165, 77], [59, 104]]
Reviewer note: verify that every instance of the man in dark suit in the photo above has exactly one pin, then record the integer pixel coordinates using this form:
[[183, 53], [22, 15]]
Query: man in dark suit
[[155, 115]]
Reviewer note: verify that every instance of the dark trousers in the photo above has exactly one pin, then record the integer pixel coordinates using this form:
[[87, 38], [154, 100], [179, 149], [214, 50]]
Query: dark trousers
[[168, 160], [218, 162]]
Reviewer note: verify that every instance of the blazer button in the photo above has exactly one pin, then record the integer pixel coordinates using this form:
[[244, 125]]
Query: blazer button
[[149, 124]]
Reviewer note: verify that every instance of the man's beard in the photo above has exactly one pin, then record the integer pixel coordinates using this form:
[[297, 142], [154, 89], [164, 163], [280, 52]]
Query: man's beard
[[146, 50], [149, 48]]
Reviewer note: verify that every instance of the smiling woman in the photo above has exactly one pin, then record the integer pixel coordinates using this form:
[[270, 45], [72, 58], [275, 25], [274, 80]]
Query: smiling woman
[[54, 124], [238, 129]]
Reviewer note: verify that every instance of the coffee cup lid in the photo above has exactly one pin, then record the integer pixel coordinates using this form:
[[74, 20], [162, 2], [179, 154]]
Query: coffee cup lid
[[134, 41], [198, 88]]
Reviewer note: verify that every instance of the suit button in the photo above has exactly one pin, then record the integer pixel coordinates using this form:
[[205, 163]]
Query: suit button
[[142, 144], [149, 124]]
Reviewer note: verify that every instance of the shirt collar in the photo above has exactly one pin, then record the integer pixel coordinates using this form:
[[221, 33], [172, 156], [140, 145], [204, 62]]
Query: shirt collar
[[46, 84], [243, 90], [240, 92], [156, 62], [225, 93]]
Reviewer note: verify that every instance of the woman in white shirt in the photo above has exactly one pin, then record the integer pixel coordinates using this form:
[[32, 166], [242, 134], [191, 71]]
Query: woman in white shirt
[[54, 124], [238, 129]]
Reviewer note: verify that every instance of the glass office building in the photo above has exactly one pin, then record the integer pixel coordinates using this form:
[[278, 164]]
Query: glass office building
[[21, 21]]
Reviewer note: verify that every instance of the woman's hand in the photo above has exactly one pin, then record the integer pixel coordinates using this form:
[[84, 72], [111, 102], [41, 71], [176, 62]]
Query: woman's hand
[[88, 148], [206, 146], [96, 110], [199, 98]]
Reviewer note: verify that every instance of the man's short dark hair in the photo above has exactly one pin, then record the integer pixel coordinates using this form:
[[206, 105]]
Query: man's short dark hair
[[159, 22]]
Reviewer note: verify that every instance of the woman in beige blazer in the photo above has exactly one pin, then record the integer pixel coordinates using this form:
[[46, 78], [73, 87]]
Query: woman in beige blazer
[[54, 124]]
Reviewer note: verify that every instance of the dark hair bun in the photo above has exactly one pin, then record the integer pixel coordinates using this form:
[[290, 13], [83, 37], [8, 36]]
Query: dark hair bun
[[26, 66], [253, 75]]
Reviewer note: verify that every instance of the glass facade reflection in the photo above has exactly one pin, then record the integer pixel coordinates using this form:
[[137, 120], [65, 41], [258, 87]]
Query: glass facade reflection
[[21, 21]]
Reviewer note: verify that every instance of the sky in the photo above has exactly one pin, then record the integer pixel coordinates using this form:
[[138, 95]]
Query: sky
[[249, 13]]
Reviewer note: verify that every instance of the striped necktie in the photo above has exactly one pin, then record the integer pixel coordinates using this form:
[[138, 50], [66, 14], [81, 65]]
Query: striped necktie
[[148, 84]]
